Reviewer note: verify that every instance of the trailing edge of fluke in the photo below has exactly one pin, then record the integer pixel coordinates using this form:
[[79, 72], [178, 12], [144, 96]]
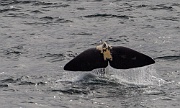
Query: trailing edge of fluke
[[118, 57]]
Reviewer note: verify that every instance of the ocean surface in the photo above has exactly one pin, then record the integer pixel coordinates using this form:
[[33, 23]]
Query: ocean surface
[[38, 37]]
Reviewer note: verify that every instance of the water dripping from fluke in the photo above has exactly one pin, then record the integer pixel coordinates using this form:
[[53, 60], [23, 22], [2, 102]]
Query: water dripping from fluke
[[146, 75]]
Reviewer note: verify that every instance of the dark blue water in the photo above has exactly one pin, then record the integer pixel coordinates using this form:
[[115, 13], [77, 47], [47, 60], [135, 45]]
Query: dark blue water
[[38, 37]]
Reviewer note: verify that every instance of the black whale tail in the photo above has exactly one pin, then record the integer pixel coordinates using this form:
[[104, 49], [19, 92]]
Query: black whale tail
[[122, 58]]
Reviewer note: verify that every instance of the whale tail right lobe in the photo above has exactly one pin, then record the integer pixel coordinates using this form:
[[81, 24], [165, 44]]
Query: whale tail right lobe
[[125, 58]]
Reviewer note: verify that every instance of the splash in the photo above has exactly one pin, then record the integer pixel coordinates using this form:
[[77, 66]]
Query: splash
[[146, 75], [138, 76]]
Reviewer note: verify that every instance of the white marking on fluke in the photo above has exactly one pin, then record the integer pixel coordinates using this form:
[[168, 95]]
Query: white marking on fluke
[[105, 50]]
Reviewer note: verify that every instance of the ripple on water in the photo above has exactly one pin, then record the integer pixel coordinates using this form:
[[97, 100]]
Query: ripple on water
[[8, 9], [33, 2], [107, 16], [13, 52], [52, 57], [169, 58], [55, 19], [162, 7], [23, 80]]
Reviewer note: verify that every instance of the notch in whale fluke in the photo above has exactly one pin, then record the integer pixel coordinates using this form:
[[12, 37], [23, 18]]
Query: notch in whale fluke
[[118, 57]]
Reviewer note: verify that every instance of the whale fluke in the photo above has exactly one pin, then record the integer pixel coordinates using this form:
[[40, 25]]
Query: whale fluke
[[87, 61], [117, 56]]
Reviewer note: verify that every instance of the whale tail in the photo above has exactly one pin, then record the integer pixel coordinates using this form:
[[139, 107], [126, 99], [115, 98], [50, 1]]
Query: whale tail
[[118, 57]]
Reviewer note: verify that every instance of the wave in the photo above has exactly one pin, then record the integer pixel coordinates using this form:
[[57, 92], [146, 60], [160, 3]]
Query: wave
[[107, 16], [169, 58]]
